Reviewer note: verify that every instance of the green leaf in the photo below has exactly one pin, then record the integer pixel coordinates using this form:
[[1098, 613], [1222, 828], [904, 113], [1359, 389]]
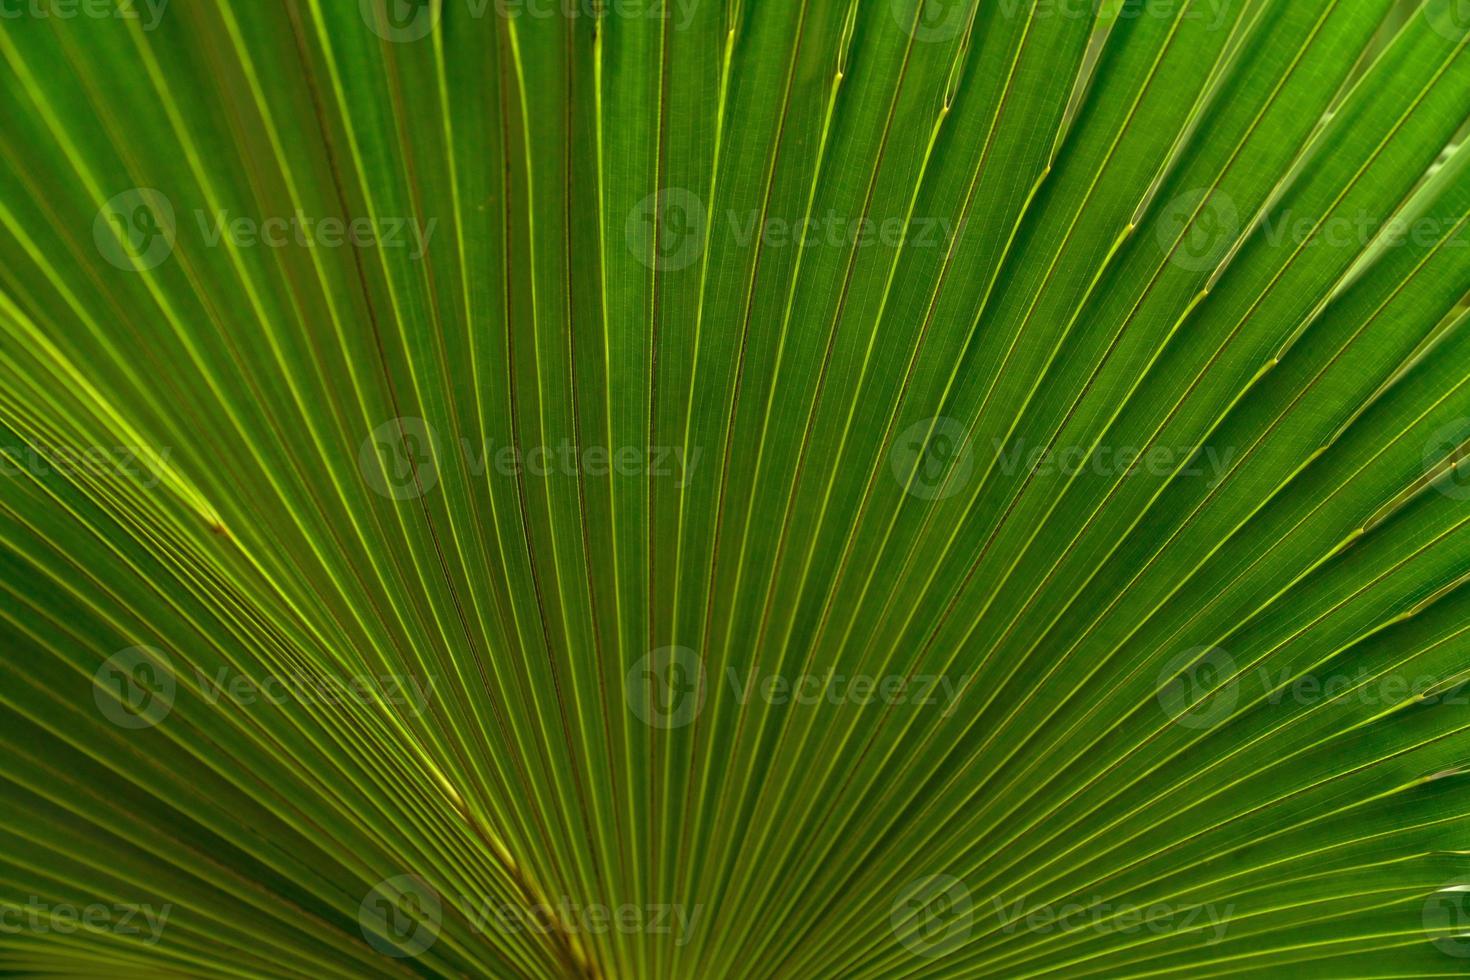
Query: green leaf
[[718, 488]]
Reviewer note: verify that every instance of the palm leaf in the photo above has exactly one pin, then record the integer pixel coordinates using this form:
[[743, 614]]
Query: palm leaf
[[662, 488]]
